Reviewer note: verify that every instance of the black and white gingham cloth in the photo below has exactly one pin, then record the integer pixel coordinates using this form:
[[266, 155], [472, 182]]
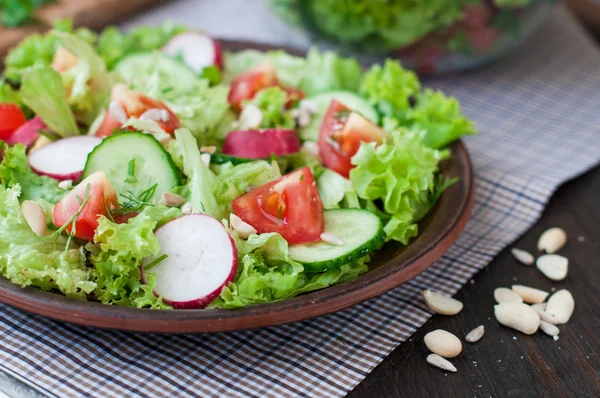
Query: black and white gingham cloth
[[538, 114]]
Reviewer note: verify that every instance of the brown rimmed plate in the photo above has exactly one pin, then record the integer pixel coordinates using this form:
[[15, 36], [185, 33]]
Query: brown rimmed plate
[[389, 268]]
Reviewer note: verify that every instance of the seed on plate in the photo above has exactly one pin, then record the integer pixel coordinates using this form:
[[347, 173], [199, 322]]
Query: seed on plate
[[552, 240], [553, 266], [65, 185], [208, 149], [172, 200], [523, 256], [505, 295], [331, 238], [517, 316], [243, 229], [475, 335], [205, 158], [439, 362], [561, 305], [549, 329], [530, 295], [443, 343], [35, 217], [117, 112], [441, 304], [186, 208]]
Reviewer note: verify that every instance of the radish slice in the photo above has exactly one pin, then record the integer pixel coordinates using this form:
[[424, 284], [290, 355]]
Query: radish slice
[[197, 49], [63, 159], [202, 259], [258, 144], [28, 133]]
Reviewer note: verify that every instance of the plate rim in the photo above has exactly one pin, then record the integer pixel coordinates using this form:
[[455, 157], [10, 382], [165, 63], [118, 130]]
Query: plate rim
[[313, 304]]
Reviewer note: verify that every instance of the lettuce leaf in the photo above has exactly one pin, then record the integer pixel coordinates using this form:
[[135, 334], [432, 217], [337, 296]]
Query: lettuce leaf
[[396, 93], [202, 183], [113, 44], [333, 189], [88, 83], [402, 175], [123, 247], [14, 169], [317, 73], [42, 90], [271, 102], [267, 274], [30, 260]]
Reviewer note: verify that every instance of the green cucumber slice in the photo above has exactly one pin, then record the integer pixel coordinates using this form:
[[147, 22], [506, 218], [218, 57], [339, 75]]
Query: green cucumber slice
[[138, 68], [322, 101], [134, 162], [360, 230], [220, 158]]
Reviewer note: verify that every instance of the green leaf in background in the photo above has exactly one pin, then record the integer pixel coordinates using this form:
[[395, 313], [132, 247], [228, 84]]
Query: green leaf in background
[[30, 260], [14, 169], [42, 90], [20, 12]]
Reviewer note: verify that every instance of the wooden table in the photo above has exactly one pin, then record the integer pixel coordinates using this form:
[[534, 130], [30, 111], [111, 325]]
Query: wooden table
[[506, 363]]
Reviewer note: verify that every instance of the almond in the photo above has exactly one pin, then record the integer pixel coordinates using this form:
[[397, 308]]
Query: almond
[[549, 328], [439, 362], [517, 316], [475, 335], [505, 295], [441, 304], [522, 256], [443, 343], [561, 306], [243, 229], [35, 217], [530, 295], [172, 199], [552, 240], [553, 266]]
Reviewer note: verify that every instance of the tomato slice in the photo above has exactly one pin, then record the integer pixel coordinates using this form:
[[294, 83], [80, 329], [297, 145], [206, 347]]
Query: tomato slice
[[246, 85], [100, 196], [135, 105], [11, 118], [290, 206], [341, 134]]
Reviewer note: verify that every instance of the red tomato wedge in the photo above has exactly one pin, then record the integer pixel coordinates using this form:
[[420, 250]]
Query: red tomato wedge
[[246, 85], [11, 118], [341, 134], [258, 144], [135, 104], [100, 196], [290, 206]]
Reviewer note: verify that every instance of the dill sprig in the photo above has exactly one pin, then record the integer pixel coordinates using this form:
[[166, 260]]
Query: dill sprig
[[135, 203]]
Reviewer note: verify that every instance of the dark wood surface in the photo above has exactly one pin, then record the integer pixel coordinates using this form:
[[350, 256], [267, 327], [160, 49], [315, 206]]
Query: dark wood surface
[[506, 363]]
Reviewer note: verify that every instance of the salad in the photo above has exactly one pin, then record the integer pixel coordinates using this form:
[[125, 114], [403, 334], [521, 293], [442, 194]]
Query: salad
[[152, 169]]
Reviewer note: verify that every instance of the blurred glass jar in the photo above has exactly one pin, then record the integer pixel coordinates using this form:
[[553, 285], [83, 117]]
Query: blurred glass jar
[[430, 36]]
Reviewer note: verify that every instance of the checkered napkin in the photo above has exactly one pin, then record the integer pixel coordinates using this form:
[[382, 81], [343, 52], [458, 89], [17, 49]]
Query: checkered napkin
[[538, 114]]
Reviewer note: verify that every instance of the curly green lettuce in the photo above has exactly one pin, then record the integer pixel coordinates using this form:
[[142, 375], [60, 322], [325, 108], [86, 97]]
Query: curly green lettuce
[[122, 249], [30, 260], [396, 93], [267, 274], [401, 176], [14, 169]]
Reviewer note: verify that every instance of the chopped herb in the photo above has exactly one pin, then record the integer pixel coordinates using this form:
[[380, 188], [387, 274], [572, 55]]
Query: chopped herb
[[130, 179], [279, 212], [341, 339], [135, 203], [156, 261], [167, 89], [301, 177], [342, 114]]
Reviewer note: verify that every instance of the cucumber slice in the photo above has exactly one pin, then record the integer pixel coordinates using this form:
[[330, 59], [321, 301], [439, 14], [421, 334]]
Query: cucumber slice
[[322, 101], [360, 230], [134, 162], [140, 67]]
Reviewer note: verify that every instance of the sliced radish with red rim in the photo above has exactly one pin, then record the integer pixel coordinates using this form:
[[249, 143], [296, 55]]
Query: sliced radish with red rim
[[63, 159], [258, 144], [197, 50], [28, 133], [201, 260]]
